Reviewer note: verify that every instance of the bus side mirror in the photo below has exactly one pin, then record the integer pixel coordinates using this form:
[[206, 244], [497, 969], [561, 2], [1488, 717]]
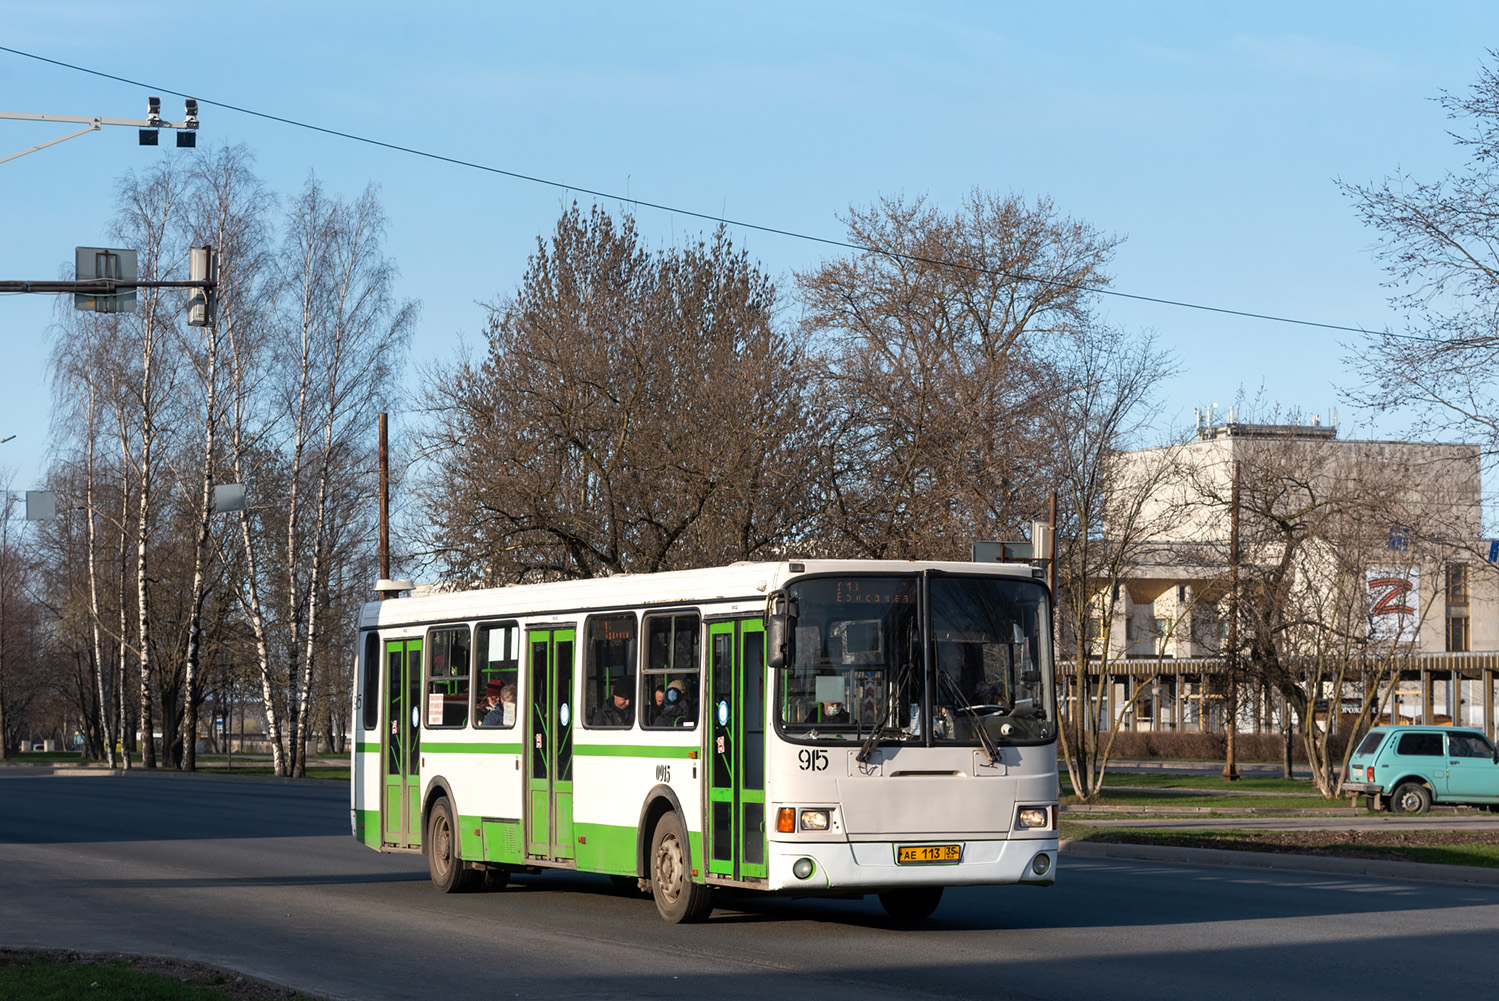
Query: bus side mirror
[[777, 629]]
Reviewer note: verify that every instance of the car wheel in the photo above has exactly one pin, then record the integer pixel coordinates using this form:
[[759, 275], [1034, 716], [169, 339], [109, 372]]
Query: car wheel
[[448, 872], [678, 898], [1411, 797]]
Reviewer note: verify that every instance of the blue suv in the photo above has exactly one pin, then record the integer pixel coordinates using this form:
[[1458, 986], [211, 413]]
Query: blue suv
[[1407, 768]]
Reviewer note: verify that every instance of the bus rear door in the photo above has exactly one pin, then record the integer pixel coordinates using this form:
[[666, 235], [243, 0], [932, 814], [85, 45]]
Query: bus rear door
[[400, 806]]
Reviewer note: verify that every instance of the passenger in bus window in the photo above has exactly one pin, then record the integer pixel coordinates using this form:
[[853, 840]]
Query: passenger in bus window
[[616, 710], [499, 705], [486, 710], [676, 708], [834, 712]]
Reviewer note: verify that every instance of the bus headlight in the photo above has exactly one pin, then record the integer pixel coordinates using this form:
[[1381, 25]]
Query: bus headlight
[[1041, 864], [1032, 817], [815, 820]]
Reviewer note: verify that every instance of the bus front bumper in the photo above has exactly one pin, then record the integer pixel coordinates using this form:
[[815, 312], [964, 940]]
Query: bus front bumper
[[852, 866]]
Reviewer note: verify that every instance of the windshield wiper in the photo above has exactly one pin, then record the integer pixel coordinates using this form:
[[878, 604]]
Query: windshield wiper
[[878, 730], [990, 748], [874, 735]]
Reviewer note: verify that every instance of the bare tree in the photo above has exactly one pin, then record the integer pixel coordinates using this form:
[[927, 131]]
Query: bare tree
[[1111, 514], [148, 222], [342, 332], [633, 412], [937, 338], [1315, 516], [1436, 240], [227, 206]]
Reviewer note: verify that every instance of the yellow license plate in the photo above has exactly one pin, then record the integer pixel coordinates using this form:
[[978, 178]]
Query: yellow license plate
[[927, 854]]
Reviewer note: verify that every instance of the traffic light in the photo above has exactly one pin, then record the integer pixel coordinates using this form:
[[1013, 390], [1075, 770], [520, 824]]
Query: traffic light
[[189, 139], [202, 266], [153, 116]]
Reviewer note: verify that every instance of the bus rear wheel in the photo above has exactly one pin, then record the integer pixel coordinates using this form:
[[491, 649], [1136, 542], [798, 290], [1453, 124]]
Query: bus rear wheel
[[678, 898], [912, 903], [448, 872]]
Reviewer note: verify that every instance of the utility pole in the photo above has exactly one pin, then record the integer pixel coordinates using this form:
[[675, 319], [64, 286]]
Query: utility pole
[[1231, 704]]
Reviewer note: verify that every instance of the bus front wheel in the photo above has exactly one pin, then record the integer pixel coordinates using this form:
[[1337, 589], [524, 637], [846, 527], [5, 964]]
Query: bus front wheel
[[448, 872], [678, 898], [912, 903]]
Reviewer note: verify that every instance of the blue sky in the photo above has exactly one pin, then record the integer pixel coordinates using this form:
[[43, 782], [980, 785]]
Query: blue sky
[[1208, 135]]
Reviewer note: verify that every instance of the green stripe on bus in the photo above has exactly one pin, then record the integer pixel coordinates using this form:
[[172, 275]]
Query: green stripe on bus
[[363, 748], [632, 751], [485, 748]]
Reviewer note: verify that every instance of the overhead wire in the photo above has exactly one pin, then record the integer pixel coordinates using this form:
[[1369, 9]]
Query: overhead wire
[[725, 220]]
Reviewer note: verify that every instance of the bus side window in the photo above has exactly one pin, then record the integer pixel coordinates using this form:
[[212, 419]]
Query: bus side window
[[669, 677], [371, 696], [447, 677], [609, 671], [496, 674]]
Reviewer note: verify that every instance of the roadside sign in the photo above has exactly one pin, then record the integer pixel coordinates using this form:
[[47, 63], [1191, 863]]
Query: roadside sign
[[104, 262]]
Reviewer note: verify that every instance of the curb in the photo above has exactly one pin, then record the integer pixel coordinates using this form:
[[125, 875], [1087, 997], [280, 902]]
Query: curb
[[1285, 862]]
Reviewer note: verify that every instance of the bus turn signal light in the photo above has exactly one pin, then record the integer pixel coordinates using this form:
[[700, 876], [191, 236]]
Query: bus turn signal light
[[786, 820]]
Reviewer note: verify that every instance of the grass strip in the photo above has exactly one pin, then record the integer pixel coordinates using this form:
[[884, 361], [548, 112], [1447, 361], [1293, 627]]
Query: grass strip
[[1206, 783], [1479, 848], [1200, 801]]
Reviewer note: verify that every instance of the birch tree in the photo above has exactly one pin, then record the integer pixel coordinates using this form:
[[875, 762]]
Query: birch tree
[[227, 206], [148, 222], [343, 331]]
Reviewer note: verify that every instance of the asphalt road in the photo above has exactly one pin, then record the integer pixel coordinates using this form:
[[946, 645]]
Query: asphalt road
[[264, 878]]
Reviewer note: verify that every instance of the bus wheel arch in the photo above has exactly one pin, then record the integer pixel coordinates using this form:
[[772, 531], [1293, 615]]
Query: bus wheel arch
[[660, 801], [437, 789]]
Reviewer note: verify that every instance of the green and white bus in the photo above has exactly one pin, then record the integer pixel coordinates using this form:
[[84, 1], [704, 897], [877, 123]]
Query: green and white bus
[[804, 728]]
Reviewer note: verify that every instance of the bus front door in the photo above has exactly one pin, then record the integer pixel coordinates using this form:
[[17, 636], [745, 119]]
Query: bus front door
[[400, 807], [735, 823], [549, 738]]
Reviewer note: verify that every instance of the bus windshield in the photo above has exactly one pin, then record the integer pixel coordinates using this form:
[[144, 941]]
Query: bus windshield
[[856, 661]]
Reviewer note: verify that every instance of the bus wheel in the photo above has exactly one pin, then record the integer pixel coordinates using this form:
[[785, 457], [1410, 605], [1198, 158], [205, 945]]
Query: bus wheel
[[678, 898], [912, 903], [449, 874]]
